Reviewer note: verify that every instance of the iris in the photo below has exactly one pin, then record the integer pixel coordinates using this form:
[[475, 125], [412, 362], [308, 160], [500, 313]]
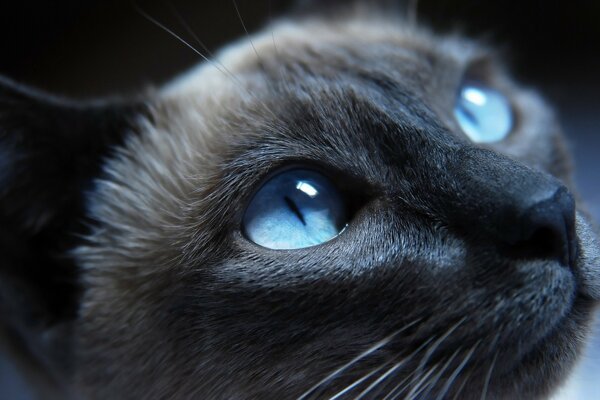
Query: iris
[[484, 114], [296, 208]]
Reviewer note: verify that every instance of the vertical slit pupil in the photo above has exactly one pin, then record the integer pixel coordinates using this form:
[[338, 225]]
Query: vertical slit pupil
[[294, 208]]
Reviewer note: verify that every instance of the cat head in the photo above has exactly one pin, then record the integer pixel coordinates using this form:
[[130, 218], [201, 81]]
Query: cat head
[[344, 203]]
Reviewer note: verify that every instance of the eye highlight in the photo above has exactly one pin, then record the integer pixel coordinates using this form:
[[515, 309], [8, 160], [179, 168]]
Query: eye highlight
[[484, 114], [296, 208]]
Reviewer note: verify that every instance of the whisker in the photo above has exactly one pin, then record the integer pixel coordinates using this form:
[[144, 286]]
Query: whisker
[[212, 59], [438, 342], [357, 383], [419, 370], [215, 63], [338, 371], [237, 10], [401, 385], [189, 30], [419, 387], [356, 359], [270, 5], [462, 385], [456, 372], [170, 31], [412, 13], [488, 377], [399, 388], [438, 376], [407, 383], [380, 379]]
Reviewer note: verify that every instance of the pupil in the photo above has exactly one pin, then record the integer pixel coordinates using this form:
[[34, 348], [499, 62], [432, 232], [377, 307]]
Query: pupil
[[294, 208]]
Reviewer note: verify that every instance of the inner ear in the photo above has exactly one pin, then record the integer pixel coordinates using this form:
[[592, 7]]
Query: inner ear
[[51, 151]]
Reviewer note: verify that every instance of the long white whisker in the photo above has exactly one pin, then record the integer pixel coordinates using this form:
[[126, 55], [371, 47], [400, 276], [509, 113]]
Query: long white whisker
[[215, 63], [419, 387], [401, 385], [456, 372], [439, 374], [338, 371], [399, 388], [465, 379], [488, 377], [189, 30], [413, 6], [380, 379], [356, 383], [270, 5], [170, 31], [356, 359], [246, 30], [438, 342]]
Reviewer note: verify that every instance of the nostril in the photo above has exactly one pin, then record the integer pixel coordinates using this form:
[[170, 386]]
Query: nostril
[[544, 243], [546, 229], [515, 207]]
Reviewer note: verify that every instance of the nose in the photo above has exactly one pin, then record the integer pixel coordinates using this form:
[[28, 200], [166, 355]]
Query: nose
[[529, 212], [544, 228]]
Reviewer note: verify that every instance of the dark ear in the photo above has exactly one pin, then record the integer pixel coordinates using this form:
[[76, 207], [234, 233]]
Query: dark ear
[[51, 150]]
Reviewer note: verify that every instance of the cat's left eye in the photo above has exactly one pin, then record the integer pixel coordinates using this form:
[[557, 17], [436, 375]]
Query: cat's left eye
[[484, 114], [296, 208]]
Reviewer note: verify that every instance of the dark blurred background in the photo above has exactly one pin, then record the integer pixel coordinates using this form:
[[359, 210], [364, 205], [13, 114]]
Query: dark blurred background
[[96, 48]]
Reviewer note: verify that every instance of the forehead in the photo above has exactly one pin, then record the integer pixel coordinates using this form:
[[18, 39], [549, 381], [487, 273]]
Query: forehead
[[358, 45], [380, 59], [334, 70]]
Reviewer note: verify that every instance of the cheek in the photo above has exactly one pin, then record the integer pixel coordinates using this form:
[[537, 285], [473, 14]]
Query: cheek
[[375, 269], [588, 258]]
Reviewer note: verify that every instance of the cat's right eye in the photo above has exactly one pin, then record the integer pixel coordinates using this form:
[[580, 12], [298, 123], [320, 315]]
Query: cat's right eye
[[296, 208], [484, 114]]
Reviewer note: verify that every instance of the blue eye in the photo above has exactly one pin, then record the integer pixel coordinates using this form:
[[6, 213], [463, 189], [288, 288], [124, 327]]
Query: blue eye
[[294, 209], [484, 114]]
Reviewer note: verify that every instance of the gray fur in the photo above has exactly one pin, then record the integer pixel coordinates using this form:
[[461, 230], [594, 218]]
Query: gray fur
[[178, 304]]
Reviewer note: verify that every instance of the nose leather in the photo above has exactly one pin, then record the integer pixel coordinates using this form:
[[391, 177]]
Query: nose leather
[[518, 207], [548, 224]]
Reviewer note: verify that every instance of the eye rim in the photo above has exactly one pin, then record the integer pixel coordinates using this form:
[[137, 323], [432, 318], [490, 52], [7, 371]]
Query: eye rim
[[344, 183], [287, 169]]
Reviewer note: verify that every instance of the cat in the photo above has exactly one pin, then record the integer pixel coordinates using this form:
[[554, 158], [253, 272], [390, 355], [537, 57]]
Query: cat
[[344, 205]]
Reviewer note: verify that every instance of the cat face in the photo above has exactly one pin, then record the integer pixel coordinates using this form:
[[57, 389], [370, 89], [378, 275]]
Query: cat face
[[455, 268]]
